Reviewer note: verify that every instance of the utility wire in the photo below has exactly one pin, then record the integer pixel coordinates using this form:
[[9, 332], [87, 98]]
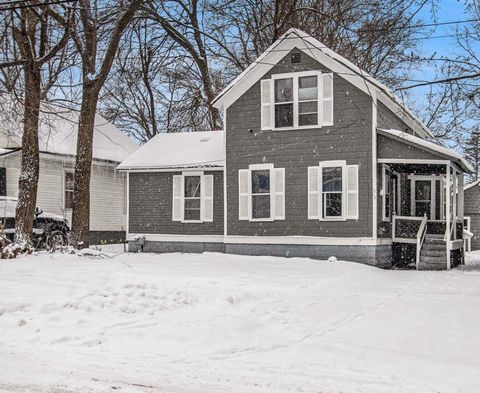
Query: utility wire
[[446, 80], [26, 6]]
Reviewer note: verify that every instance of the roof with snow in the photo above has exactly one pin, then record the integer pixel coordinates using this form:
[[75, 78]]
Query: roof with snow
[[295, 38], [427, 145], [179, 150], [58, 130], [471, 185]]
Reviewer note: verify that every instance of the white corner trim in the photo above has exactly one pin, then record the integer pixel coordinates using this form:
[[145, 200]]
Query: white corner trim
[[285, 240]]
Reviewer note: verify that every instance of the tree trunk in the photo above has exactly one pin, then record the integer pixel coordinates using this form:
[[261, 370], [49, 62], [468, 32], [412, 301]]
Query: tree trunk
[[83, 167], [28, 182]]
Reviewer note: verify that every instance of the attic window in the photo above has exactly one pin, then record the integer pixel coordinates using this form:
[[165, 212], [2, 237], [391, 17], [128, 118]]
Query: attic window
[[295, 57]]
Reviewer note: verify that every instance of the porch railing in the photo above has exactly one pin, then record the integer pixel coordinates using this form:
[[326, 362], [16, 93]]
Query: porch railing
[[405, 228], [422, 232]]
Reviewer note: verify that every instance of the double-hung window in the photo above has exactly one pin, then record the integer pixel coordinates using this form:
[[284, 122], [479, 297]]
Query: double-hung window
[[297, 100], [261, 193], [192, 197], [333, 191], [68, 182]]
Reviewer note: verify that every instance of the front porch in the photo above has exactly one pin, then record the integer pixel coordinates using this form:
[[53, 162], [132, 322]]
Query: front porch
[[423, 212]]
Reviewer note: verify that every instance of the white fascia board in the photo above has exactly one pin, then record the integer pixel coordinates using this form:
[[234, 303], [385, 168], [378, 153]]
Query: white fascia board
[[172, 169]]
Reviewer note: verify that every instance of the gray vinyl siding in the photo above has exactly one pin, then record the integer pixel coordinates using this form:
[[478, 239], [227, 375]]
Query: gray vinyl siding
[[472, 210], [349, 139], [395, 149], [388, 120], [150, 205]]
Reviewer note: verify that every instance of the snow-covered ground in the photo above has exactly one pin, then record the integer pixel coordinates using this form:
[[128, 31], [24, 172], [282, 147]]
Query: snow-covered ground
[[216, 323]]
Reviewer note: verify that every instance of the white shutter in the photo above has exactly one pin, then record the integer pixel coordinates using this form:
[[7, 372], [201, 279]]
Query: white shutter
[[266, 100], [207, 198], [243, 194], [352, 192], [313, 192], [279, 194], [327, 99], [177, 198]]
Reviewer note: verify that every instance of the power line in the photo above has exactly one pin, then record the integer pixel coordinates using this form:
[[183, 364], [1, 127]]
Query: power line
[[26, 6], [446, 80]]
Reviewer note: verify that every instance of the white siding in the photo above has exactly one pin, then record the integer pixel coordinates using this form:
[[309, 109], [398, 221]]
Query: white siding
[[107, 203]]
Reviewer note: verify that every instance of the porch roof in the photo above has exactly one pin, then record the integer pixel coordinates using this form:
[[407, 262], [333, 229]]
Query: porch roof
[[429, 147]]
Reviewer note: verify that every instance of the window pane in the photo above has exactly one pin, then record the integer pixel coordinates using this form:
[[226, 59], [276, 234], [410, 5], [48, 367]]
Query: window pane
[[308, 120], [69, 181], [192, 204], [261, 206], [192, 215], [260, 182], [422, 208], [308, 107], [332, 179], [192, 186], [423, 190], [387, 205], [333, 204], [307, 88], [284, 90], [68, 199], [284, 115]]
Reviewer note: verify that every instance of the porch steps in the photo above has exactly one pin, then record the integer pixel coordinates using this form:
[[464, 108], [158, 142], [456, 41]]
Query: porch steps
[[433, 255]]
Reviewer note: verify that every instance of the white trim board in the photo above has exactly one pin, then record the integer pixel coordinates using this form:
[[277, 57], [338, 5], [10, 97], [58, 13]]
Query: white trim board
[[171, 169], [285, 240]]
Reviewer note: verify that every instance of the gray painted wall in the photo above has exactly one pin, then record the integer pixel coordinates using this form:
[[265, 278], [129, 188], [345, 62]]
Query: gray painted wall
[[472, 210], [391, 148], [150, 205], [349, 139], [389, 120]]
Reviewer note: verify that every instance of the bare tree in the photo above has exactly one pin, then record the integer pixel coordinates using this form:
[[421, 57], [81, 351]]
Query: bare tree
[[96, 34], [32, 40], [183, 22]]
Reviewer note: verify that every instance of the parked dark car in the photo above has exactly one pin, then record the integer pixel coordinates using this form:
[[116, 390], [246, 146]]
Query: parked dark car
[[49, 230]]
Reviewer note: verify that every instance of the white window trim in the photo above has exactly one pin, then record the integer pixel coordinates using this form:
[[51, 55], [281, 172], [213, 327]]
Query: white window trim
[[433, 199], [65, 171], [330, 164], [259, 167], [295, 76], [202, 175], [385, 168]]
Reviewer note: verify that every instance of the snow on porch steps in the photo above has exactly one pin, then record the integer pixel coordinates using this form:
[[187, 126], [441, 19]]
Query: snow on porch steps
[[224, 323]]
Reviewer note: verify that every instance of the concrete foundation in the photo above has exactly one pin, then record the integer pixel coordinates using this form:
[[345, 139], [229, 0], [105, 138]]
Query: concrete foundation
[[379, 256]]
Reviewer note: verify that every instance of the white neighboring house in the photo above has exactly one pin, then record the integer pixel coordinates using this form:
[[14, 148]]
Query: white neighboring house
[[58, 139]]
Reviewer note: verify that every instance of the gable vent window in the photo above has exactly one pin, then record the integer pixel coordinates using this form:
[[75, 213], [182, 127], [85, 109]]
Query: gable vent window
[[297, 100], [192, 197], [333, 191], [295, 58], [261, 193]]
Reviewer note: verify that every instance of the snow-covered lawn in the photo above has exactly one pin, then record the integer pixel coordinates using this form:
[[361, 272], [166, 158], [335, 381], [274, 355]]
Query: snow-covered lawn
[[222, 323]]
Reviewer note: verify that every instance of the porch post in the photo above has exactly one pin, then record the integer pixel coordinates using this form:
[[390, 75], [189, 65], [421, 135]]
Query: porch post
[[454, 202], [448, 213], [460, 196], [460, 209]]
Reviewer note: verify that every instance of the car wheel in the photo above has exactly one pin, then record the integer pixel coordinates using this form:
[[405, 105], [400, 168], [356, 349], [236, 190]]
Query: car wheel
[[55, 240]]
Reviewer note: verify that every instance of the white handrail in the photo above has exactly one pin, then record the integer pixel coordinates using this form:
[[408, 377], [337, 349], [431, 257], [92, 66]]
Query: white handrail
[[422, 232]]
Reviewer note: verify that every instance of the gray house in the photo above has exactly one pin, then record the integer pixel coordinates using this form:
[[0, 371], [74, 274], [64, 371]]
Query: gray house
[[472, 214], [316, 159]]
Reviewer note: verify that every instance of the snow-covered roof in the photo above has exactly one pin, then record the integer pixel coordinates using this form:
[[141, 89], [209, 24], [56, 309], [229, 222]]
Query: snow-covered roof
[[179, 150], [471, 185], [422, 143], [295, 38], [58, 135]]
